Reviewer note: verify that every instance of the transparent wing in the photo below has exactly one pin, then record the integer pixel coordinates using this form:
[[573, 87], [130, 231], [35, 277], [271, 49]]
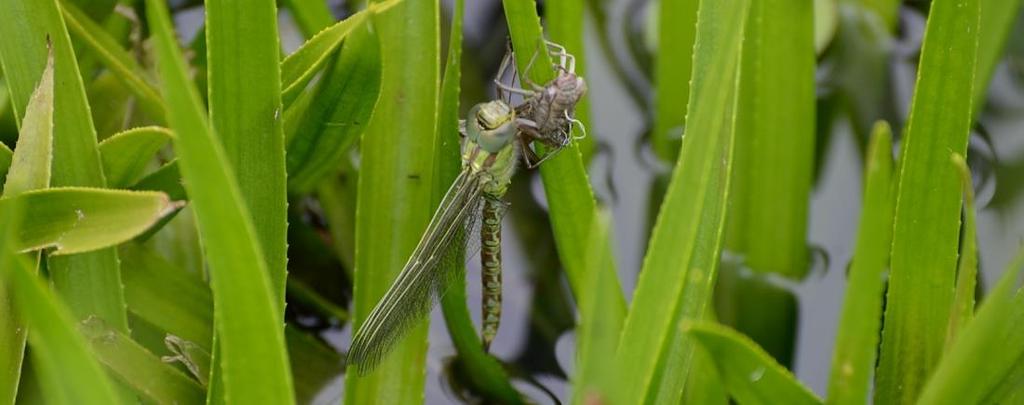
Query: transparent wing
[[424, 277]]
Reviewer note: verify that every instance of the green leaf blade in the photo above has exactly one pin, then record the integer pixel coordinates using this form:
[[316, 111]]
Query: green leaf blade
[[988, 349], [925, 236], [74, 220], [597, 335], [751, 375], [58, 350], [672, 74], [138, 368], [126, 154], [30, 164], [89, 283], [397, 170], [109, 52], [245, 110], [249, 323], [679, 270], [570, 199], [857, 338], [338, 113]]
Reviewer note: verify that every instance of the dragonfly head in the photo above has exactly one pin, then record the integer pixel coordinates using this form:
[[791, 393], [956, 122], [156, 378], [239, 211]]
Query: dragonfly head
[[491, 125]]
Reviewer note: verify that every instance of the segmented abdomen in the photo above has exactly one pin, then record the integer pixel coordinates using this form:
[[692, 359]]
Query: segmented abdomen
[[490, 260]]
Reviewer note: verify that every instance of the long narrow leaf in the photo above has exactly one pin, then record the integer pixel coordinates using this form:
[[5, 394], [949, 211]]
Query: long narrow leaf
[[774, 166], [857, 338], [967, 265], [245, 111], [397, 169], [677, 27], [988, 350], [125, 155], [751, 375], [300, 67], [89, 283], [138, 368], [166, 296], [30, 169], [249, 324], [597, 335], [337, 114], [109, 52], [74, 220], [33, 156], [570, 198], [925, 235], [997, 19], [58, 350], [680, 267]]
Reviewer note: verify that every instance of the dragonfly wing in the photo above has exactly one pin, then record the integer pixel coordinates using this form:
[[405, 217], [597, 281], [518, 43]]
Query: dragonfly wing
[[422, 279]]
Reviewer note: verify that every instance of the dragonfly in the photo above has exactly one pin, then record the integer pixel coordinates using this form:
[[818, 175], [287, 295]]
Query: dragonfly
[[489, 159], [494, 139]]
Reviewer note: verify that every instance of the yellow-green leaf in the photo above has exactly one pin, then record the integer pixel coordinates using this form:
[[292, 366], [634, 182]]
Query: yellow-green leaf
[[857, 339], [125, 155], [75, 220], [248, 319], [927, 213]]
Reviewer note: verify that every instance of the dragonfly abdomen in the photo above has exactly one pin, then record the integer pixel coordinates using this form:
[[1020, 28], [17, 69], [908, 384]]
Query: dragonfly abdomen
[[490, 260]]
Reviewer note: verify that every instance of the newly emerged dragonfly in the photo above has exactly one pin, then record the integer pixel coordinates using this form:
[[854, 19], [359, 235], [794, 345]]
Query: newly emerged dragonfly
[[494, 138], [489, 157]]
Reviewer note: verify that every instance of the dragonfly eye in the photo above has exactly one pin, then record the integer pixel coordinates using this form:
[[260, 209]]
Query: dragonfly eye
[[495, 140]]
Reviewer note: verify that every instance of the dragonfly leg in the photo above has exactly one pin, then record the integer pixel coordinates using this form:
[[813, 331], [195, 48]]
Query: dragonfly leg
[[490, 259], [566, 60], [506, 63], [575, 122], [529, 156], [529, 65]]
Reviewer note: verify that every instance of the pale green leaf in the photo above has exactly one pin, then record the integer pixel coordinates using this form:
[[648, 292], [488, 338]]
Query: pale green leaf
[[244, 77], [751, 375], [773, 171], [672, 74], [32, 159], [597, 335], [58, 350], [141, 370], [927, 224], [119, 60], [166, 296], [89, 283], [125, 155], [679, 270], [249, 324], [73, 220], [857, 339], [983, 363], [967, 264], [398, 154], [300, 67], [338, 113]]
